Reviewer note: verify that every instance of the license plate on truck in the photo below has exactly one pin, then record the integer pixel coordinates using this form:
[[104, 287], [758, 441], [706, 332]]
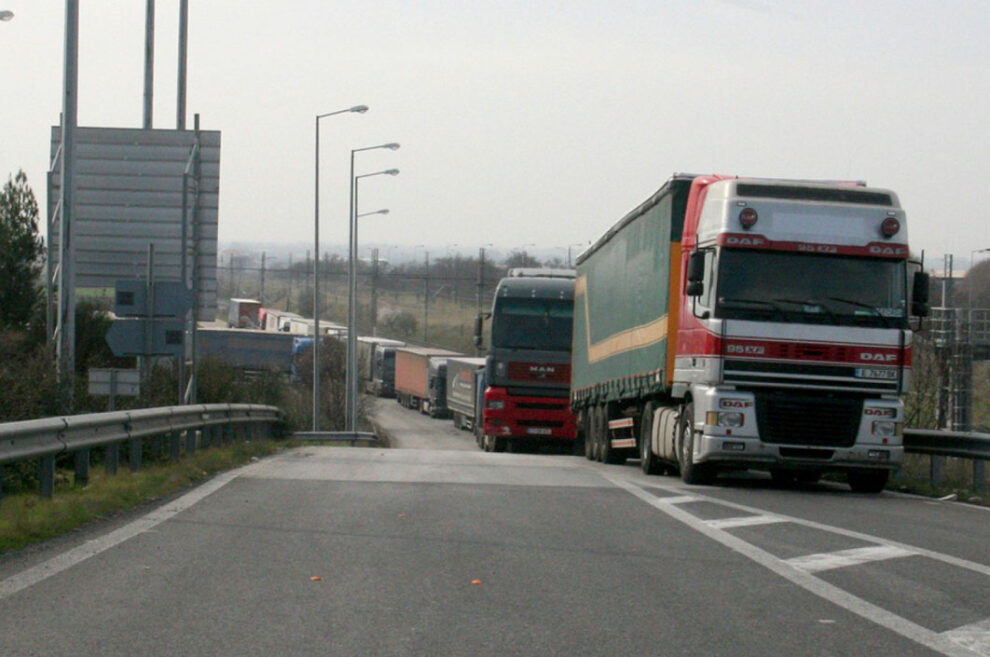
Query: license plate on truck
[[538, 431]]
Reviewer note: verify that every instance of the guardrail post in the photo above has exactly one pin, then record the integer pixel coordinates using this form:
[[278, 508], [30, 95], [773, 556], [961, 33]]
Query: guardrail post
[[937, 473], [174, 445], [134, 454], [156, 448], [46, 476], [82, 467], [191, 441], [1, 482], [980, 477], [112, 458], [206, 438]]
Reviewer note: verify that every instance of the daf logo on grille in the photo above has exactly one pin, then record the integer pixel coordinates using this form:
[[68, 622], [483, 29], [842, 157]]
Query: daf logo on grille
[[878, 357]]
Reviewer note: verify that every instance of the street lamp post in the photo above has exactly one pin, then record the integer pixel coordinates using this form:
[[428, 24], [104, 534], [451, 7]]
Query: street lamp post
[[351, 377], [360, 109]]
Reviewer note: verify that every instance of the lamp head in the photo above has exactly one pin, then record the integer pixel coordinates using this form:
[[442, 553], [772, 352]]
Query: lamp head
[[392, 147], [360, 109], [6, 15], [392, 172]]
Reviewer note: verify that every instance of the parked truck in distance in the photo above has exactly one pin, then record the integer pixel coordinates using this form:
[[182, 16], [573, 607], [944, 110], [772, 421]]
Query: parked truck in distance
[[376, 365], [732, 323], [419, 379], [528, 366], [463, 394], [244, 313]]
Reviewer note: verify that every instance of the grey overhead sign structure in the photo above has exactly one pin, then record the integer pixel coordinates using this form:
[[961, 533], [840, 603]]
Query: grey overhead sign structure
[[129, 192], [149, 327]]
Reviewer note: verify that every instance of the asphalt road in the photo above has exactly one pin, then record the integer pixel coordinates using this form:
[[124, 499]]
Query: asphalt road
[[460, 552], [411, 430]]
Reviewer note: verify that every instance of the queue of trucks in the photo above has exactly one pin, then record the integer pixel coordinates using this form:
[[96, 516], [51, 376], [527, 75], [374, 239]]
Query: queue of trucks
[[724, 324]]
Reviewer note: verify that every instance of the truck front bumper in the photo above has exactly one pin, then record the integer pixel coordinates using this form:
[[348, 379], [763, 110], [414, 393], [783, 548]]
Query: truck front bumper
[[740, 452]]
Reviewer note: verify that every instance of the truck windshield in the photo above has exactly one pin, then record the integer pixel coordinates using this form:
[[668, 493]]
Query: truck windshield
[[811, 289], [543, 324]]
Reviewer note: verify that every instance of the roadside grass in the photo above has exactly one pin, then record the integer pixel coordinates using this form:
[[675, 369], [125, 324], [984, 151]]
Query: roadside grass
[[914, 477], [26, 518]]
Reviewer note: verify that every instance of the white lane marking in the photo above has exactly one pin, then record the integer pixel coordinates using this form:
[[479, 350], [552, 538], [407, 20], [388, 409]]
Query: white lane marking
[[813, 563], [807, 581], [677, 499], [867, 538], [744, 521], [975, 637], [66, 560]]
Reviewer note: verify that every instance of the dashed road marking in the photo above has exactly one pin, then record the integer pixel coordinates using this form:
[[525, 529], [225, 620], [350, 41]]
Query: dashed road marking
[[813, 563]]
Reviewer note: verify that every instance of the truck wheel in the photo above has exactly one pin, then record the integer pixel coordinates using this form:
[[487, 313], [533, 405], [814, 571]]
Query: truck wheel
[[589, 434], [601, 433], [867, 481], [691, 472], [647, 459]]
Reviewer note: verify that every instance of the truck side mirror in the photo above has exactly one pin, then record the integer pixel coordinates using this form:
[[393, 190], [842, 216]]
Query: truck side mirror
[[696, 274], [479, 323], [919, 294]]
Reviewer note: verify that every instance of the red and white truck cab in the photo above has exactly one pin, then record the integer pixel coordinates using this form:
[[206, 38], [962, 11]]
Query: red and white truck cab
[[792, 337]]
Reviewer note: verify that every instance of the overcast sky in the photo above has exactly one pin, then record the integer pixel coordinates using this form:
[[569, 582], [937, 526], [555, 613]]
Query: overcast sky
[[538, 122]]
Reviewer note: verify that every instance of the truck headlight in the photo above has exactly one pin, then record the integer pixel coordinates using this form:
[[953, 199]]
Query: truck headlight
[[886, 428], [731, 419]]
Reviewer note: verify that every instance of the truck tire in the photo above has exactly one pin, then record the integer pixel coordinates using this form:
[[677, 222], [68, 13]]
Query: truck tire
[[601, 433], [589, 434], [867, 481], [647, 459], [691, 472]]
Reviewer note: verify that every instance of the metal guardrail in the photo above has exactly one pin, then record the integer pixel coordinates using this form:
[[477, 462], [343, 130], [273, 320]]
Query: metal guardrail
[[184, 427], [961, 444], [934, 442]]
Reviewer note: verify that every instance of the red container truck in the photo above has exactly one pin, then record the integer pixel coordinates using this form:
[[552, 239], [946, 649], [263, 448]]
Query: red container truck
[[416, 386]]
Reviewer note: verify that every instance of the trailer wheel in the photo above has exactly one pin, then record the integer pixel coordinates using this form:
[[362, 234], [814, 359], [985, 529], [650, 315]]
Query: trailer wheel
[[691, 472], [647, 459], [601, 432], [867, 481], [589, 434]]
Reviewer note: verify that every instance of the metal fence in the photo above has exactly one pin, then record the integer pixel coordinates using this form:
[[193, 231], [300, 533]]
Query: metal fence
[[172, 430]]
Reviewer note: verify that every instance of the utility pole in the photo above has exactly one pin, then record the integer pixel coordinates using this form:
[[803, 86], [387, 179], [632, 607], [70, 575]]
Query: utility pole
[[261, 289], [374, 292], [292, 278], [426, 301], [149, 62], [481, 289]]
